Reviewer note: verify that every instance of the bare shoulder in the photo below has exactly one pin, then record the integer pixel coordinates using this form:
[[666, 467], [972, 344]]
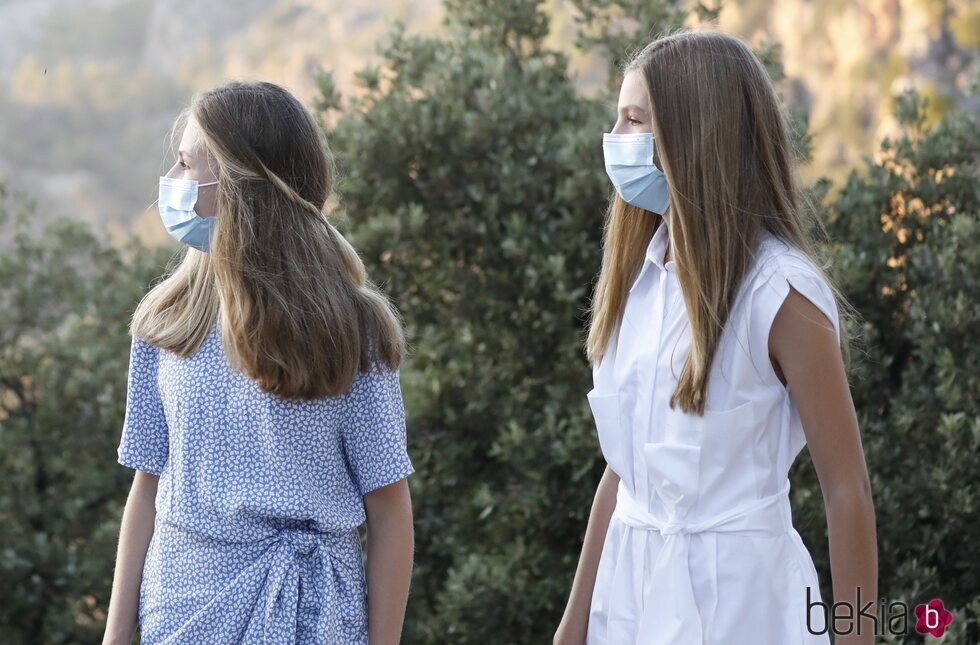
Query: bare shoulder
[[801, 335], [794, 310], [799, 319]]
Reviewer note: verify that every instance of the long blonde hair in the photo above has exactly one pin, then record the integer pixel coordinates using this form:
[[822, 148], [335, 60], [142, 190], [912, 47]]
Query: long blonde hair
[[724, 145], [297, 311]]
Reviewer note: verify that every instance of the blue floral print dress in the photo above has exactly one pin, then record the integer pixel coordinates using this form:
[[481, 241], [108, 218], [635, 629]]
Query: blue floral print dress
[[259, 498]]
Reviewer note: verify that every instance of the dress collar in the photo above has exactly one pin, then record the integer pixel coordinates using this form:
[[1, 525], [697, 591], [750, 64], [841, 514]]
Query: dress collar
[[655, 255], [658, 247]]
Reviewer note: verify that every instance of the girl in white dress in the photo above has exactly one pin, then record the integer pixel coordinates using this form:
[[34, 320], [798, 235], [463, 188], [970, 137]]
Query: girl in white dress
[[717, 354]]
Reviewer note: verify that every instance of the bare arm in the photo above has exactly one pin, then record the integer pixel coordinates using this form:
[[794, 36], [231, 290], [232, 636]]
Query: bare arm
[[134, 538], [804, 344], [575, 622], [390, 554]]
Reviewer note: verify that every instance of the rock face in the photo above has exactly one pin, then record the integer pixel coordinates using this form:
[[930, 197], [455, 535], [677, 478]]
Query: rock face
[[282, 40], [174, 29], [845, 61], [111, 74], [20, 27]]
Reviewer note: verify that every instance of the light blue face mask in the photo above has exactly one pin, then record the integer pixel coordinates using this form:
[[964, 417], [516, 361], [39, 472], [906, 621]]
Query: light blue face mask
[[176, 204], [629, 164]]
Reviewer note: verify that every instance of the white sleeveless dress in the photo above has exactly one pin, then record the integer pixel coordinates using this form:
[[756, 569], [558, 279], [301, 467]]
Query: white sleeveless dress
[[701, 547]]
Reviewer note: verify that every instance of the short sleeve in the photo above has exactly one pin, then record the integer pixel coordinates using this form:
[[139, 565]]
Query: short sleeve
[[374, 433], [770, 293], [145, 441]]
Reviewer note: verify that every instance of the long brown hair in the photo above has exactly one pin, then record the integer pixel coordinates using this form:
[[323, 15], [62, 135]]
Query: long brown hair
[[297, 311], [725, 148]]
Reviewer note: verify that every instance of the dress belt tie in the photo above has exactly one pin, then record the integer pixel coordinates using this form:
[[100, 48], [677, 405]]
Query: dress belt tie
[[674, 618], [296, 554]]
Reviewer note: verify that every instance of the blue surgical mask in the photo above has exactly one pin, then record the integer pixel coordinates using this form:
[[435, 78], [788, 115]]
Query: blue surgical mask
[[176, 204], [629, 164]]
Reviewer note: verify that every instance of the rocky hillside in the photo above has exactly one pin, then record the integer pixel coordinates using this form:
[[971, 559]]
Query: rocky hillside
[[91, 86]]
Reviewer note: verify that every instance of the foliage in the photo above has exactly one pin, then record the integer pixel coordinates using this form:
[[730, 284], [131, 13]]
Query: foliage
[[65, 299], [905, 232], [473, 179]]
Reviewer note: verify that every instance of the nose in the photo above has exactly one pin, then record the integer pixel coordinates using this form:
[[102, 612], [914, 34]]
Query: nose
[[620, 127], [172, 173]]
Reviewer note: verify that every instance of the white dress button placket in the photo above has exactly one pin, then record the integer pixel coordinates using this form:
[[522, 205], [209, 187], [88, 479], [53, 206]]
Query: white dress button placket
[[647, 369]]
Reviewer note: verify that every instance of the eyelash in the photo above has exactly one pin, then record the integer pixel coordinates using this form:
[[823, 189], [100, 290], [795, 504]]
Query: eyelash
[[633, 121], [181, 162]]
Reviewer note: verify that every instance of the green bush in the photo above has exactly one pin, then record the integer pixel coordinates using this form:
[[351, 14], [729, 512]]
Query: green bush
[[65, 301], [905, 249], [471, 181]]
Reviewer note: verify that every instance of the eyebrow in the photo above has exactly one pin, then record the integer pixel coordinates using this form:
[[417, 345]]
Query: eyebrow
[[185, 153], [634, 108]]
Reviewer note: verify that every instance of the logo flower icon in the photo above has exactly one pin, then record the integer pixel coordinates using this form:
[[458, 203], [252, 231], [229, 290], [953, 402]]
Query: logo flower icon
[[932, 618]]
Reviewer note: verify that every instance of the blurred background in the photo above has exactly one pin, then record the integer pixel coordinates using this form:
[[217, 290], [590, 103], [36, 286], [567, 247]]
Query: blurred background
[[469, 140]]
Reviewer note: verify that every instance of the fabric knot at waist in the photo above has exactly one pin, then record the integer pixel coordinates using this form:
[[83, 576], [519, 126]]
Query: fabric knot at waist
[[302, 541], [766, 516], [302, 561], [673, 528], [668, 611]]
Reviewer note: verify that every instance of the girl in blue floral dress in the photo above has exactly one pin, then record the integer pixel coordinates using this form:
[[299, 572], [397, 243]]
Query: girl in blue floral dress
[[264, 414]]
